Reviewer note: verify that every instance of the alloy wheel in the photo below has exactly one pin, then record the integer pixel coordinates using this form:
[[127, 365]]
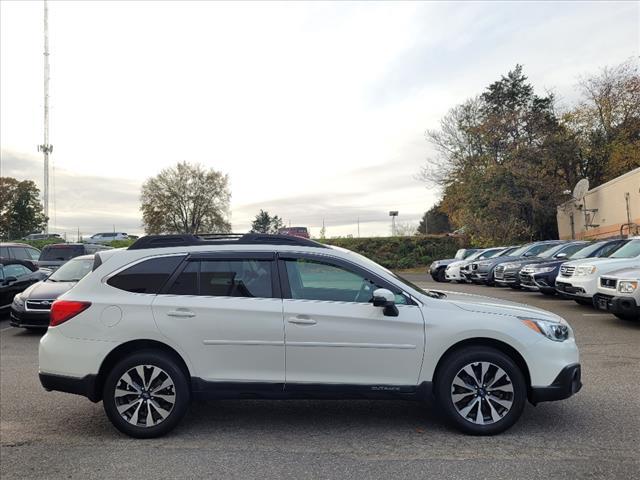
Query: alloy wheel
[[482, 393], [145, 395]]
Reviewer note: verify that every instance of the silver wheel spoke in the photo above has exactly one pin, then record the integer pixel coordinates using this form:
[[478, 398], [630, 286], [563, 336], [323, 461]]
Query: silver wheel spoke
[[126, 378], [500, 374], [140, 370], [155, 373], [469, 371], [123, 393], [163, 385], [166, 398], [460, 383], [163, 413], [479, 417], [495, 416], [503, 403], [465, 411], [134, 418], [149, 420], [126, 406], [502, 388]]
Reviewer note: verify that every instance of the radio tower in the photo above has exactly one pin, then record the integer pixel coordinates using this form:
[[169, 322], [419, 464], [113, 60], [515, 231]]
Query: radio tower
[[46, 148]]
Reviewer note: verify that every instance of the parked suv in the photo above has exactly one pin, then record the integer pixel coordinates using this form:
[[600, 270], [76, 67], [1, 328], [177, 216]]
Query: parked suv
[[437, 268], [20, 251], [30, 309], [176, 317], [578, 279], [542, 276], [619, 293], [454, 271], [107, 237], [57, 254]]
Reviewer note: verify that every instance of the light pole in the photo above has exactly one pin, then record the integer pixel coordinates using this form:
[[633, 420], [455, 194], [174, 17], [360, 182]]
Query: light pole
[[393, 214]]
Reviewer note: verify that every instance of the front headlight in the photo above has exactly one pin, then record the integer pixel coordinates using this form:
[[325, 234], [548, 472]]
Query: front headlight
[[18, 300], [555, 331], [544, 269], [584, 270], [627, 286]]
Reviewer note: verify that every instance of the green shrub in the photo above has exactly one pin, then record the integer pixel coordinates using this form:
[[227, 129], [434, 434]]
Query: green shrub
[[400, 252]]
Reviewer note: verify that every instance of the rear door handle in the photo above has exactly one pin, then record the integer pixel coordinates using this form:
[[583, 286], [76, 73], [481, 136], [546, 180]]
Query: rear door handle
[[302, 320], [181, 313]]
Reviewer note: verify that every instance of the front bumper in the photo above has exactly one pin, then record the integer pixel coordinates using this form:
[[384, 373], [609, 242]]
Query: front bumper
[[22, 318], [626, 306], [570, 290], [538, 281], [567, 383]]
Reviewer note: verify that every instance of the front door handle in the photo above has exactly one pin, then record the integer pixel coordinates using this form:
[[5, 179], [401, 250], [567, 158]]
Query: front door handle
[[302, 320], [181, 313]]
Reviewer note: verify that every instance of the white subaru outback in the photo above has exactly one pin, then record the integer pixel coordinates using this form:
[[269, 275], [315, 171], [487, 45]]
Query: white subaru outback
[[257, 316]]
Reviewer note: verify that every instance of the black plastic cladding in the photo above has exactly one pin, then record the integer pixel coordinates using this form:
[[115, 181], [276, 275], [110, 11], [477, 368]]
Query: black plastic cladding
[[160, 241]]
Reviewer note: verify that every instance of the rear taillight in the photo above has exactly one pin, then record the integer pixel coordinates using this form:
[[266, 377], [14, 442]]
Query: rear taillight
[[63, 310]]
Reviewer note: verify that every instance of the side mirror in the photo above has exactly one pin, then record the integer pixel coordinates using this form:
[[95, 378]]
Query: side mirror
[[561, 255], [387, 300], [9, 280]]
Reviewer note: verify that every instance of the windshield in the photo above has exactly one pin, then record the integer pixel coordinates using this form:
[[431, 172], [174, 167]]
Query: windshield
[[518, 252], [490, 253], [630, 250], [553, 251], [507, 251], [587, 251], [536, 250], [72, 271], [61, 252]]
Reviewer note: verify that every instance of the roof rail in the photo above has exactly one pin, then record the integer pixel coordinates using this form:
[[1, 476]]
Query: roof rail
[[179, 240]]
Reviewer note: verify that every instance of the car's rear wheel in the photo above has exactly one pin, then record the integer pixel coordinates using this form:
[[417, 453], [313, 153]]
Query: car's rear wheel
[[627, 316], [146, 394], [584, 301], [481, 390], [549, 293], [439, 275]]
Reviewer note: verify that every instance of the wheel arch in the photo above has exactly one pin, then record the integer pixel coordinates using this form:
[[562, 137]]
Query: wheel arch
[[128, 348], [484, 342]]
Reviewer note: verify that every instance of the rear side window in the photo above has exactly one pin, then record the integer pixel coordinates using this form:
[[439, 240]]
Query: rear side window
[[146, 277], [225, 278]]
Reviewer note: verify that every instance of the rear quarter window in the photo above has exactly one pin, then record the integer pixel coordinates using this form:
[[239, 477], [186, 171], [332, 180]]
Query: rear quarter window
[[148, 276]]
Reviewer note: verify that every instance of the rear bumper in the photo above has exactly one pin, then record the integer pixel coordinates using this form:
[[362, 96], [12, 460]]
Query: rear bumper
[[567, 383], [85, 386]]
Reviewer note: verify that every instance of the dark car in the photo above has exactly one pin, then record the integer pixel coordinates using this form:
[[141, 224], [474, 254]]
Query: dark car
[[55, 255], [20, 251], [483, 271], [15, 276], [301, 232], [542, 276], [507, 274], [30, 309], [438, 268]]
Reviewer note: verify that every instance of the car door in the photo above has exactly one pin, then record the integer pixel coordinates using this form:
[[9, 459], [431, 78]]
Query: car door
[[334, 334], [225, 310]]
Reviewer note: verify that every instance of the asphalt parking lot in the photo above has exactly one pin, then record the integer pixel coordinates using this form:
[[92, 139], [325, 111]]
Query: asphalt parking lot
[[595, 434]]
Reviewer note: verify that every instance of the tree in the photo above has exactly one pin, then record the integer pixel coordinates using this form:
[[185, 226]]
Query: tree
[[503, 161], [186, 199], [21, 212], [405, 229], [434, 221], [265, 223]]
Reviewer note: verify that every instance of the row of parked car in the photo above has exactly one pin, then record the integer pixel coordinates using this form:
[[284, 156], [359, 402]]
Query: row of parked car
[[30, 279], [604, 274], [103, 238]]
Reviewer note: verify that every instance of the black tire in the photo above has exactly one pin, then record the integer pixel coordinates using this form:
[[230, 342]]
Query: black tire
[[447, 373], [583, 301], [440, 277], [179, 392], [629, 317], [516, 287], [549, 293]]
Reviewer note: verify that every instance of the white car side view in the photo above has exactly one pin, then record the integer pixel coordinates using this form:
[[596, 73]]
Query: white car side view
[[619, 293], [175, 317], [578, 279]]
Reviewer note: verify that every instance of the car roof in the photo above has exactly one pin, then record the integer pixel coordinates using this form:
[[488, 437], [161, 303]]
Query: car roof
[[15, 244], [14, 261]]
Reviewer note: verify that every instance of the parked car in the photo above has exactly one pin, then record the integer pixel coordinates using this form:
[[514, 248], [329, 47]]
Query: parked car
[[507, 274], [542, 276], [15, 276], [30, 309], [578, 279], [106, 237], [453, 272], [301, 232], [57, 254], [619, 293], [483, 271], [260, 316], [466, 270], [20, 251], [437, 268], [43, 236]]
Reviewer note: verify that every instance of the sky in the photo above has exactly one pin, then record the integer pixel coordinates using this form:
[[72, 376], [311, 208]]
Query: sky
[[316, 111]]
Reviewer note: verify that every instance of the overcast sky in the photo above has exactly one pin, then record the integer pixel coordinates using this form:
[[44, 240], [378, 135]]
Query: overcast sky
[[315, 110]]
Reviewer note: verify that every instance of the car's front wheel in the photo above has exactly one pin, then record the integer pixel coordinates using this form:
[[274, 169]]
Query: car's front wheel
[[481, 390], [146, 394]]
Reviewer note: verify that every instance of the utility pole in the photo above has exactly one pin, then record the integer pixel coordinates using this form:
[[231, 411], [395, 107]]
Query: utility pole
[[358, 227], [46, 148]]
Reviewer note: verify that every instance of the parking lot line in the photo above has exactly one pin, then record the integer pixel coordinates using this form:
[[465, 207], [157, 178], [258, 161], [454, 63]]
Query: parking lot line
[[7, 328], [596, 314]]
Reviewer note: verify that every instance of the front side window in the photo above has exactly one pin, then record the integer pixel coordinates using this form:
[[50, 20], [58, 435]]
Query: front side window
[[225, 278], [314, 280], [148, 276], [16, 271]]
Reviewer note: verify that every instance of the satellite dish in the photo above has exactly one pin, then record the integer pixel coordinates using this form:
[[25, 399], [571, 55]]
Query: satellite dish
[[581, 189]]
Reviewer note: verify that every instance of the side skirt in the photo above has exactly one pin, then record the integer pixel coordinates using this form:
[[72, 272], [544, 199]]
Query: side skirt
[[203, 389]]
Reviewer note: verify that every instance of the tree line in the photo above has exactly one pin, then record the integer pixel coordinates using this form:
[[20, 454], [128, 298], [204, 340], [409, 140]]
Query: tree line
[[505, 157]]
